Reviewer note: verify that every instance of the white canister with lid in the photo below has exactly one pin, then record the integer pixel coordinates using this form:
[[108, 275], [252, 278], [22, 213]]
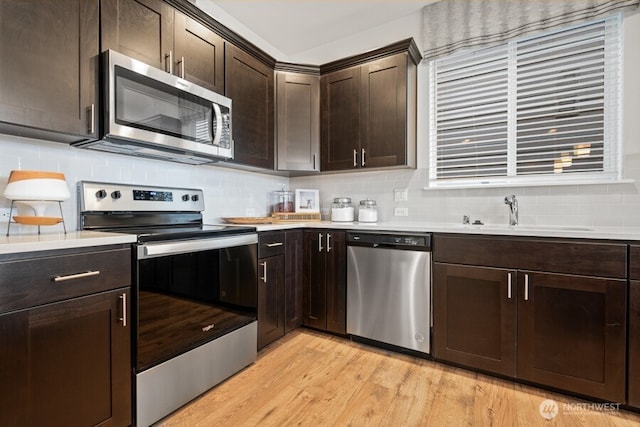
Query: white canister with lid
[[368, 212], [342, 210]]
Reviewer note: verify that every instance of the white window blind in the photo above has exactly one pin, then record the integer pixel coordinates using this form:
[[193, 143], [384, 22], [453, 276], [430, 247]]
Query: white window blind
[[542, 108]]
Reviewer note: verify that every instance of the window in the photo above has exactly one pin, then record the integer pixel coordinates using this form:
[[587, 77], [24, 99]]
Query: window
[[542, 109]]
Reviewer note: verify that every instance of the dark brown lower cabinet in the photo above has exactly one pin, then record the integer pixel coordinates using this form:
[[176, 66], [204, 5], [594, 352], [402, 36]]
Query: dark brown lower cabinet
[[634, 344], [271, 279], [572, 333], [270, 299], [279, 284], [293, 279], [474, 317], [67, 363], [325, 280], [559, 330]]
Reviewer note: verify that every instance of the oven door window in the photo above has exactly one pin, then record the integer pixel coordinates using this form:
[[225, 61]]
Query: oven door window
[[188, 299]]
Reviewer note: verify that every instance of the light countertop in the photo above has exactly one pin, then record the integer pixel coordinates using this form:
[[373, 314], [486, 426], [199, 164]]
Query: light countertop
[[49, 241], [78, 239], [576, 232]]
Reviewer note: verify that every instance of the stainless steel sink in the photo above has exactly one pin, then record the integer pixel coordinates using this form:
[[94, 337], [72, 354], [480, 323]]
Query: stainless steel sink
[[550, 228], [533, 227]]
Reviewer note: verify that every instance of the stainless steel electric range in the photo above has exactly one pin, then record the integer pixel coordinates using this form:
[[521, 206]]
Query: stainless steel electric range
[[194, 291]]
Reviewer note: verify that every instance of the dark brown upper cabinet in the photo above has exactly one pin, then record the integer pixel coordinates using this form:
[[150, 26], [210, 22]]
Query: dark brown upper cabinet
[[368, 110], [340, 115], [298, 121], [157, 34], [199, 54], [49, 69], [141, 29], [250, 85]]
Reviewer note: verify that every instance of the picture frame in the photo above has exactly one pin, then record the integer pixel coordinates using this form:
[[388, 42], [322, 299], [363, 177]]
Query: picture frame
[[307, 200]]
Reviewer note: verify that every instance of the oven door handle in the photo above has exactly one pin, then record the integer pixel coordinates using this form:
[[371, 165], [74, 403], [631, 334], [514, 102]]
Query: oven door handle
[[152, 250]]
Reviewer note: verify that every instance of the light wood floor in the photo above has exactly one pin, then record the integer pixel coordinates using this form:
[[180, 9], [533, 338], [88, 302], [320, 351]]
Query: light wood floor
[[311, 379]]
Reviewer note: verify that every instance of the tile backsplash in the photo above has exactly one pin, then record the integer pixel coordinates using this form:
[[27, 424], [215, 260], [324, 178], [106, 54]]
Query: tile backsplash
[[230, 192]]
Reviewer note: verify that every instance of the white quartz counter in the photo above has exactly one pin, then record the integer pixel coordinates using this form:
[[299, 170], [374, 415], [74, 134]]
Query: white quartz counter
[[78, 239], [577, 232], [49, 241]]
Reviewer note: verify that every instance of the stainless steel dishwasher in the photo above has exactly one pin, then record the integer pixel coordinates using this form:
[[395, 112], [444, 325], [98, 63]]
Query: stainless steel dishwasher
[[389, 288]]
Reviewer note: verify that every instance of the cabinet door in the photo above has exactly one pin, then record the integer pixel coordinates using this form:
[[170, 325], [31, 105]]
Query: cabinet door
[[315, 273], [336, 286], [141, 29], [298, 130], [49, 67], [67, 363], [270, 299], [340, 115], [634, 343], [572, 333], [474, 314], [199, 54], [293, 280], [249, 83], [384, 112]]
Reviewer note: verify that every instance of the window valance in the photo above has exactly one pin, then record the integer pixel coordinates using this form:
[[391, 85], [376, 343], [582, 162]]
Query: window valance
[[451, 25]]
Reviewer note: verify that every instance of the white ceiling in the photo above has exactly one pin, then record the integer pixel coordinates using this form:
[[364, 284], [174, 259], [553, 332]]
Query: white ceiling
[[294, 27]]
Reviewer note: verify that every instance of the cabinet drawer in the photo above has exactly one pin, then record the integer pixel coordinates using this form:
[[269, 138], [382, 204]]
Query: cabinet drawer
[[552, 255], [270, 244], [35, 281]]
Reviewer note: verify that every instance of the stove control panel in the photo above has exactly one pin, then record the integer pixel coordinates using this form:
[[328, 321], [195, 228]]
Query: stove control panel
[[100, 196]]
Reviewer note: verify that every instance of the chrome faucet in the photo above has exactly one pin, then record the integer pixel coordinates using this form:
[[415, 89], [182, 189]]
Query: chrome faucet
[[513, 209]]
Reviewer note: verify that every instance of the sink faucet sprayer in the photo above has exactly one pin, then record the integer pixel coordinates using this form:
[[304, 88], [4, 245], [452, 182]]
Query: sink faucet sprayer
[[513, 209]]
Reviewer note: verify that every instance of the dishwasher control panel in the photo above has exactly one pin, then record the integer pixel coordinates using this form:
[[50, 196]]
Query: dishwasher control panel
[[411, 241]]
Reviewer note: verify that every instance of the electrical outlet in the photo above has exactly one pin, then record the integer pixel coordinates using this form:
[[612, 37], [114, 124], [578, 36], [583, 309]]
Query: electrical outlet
[[4, 213], [400, 195], [249, 212], [400, 211]]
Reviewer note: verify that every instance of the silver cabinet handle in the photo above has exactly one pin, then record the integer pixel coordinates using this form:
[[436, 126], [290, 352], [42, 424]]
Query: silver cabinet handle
[[509, 285], [314, 161], [92, 118], [328, 242], [76, 276], [320, 248], [274, 245], [355, 158], [182, 67], [264, 271], [362, 159], [526, 287], [123, 300], [170, 57]]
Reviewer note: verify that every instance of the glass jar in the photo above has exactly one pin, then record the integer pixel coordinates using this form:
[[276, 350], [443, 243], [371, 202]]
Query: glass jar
[[283, 201], [368, 212], [342, 210]]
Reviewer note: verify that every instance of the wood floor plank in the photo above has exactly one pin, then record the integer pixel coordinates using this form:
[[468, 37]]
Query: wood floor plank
[[312, 379]]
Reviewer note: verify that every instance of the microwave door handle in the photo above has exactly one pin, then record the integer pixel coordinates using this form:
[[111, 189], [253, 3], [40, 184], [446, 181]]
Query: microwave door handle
[[218, 118]]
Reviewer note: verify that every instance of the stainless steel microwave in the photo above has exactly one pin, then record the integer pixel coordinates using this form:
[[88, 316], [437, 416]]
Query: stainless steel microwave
[[151, 113]]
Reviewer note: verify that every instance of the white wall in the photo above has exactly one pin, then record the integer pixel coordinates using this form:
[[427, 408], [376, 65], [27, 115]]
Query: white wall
[[585, 205]]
